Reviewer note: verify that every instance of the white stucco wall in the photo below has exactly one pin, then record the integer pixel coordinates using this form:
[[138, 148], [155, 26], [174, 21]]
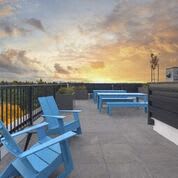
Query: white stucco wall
[[166, 131]]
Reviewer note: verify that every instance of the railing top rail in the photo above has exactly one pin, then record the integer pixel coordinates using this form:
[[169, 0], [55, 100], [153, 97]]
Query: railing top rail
[[29, 85]]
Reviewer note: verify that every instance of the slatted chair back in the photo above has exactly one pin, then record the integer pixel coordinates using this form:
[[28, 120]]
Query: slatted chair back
[[52, 105], [49, 107], [8, 141], [48, 110]]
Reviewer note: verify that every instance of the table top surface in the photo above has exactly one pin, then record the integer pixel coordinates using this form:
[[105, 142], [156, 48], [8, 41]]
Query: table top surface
[[107, 91], [126, 94]]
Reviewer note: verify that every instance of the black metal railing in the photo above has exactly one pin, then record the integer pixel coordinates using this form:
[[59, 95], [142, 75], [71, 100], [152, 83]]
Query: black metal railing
[[19, 105]]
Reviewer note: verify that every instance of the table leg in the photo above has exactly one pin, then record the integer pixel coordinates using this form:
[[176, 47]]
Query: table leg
[[98, 100], [100, 104], [137, 99]]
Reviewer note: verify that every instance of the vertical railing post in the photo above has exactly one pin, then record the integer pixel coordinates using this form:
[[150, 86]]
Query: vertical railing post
[[2, 111], [30, 104], [54, 91]]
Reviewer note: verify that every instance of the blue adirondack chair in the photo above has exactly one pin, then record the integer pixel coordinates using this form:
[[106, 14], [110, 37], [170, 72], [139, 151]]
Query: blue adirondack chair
[[41, 159], [53, 116]]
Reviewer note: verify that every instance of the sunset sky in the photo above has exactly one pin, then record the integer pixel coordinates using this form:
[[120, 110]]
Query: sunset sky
[[86, 40]]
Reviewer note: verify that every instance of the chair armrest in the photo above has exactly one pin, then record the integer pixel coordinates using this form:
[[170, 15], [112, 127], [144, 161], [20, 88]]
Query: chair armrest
[[71, 111], [30, 129], [47, 144], [53, 116]]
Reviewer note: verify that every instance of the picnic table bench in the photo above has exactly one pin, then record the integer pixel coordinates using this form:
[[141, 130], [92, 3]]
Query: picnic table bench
[[111, 99], [111, 105]]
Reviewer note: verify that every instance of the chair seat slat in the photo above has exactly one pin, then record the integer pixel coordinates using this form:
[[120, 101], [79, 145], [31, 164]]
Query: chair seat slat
[[47, 155], [37, 163]]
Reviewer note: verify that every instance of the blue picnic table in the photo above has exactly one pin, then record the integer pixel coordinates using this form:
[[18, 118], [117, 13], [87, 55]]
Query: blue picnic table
[[119, 95], [105, 91]]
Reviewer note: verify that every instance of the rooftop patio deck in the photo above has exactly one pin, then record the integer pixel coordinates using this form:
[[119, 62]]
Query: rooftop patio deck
[[119, 146]]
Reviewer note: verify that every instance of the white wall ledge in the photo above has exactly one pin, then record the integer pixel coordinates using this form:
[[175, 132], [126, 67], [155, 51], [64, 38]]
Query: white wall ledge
[[166, 131]]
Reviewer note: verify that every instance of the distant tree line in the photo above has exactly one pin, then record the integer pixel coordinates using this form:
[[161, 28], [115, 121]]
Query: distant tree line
[[16, 82]]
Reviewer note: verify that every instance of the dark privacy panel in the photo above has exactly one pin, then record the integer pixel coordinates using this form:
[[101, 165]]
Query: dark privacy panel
[[163, 103]]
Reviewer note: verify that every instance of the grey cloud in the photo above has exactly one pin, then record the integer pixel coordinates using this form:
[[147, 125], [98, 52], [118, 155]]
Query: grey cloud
[[59, 69], [141, 22], [73, 69], [10, 30], [69, 68], [16, 62], [36, 24]]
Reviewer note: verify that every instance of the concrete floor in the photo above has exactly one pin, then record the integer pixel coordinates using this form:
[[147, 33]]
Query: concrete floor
[[119, 146]]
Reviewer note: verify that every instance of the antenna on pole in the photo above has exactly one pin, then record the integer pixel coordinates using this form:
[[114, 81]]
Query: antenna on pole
[[154, 64]]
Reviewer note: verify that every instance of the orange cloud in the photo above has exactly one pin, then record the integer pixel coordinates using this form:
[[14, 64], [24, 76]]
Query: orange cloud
[[2, 34], [97, 64], [6, 11]]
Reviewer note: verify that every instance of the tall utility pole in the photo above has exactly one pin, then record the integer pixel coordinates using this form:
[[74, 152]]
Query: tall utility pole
[[154, 64]]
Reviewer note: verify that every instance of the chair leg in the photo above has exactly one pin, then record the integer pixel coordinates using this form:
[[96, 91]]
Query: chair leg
[[79, 130], [109, 110], [68, 162], [75, 116], [9, 172], [27, 141], [66, 173]]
